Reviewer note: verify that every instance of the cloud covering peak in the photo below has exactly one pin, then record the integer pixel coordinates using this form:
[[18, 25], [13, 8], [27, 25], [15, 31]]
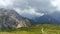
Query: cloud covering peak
[[32, 7], [25, 4]]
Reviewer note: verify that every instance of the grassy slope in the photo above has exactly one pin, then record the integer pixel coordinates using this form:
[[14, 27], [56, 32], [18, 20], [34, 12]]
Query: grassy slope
[[36, 29]]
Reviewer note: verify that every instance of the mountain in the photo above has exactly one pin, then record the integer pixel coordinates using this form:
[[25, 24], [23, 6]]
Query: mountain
[[56, 15], [11, 19], [47, 19]]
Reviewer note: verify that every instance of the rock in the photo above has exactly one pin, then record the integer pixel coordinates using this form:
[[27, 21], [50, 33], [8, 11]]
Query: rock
[[11, 19]]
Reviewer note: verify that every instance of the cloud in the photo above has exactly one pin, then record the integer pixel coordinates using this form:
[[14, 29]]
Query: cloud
[[31, 7], [44, 6], [30, 13], [5, 3], [39, 5], [56, 3]]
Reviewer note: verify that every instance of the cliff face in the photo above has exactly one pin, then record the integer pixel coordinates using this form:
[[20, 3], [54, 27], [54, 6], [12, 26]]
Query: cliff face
[[11, 19]]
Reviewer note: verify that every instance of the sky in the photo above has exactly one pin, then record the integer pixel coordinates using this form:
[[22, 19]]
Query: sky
[[56, 3], [32, 7]]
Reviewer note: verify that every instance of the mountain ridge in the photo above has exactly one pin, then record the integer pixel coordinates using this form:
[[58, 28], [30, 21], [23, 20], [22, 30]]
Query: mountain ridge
[[13, 19], [47, 18]]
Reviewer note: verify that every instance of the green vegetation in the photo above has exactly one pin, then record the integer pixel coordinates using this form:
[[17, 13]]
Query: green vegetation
[[35, 29]]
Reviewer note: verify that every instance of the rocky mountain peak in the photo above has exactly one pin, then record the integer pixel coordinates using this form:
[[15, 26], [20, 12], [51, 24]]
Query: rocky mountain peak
[[10, 18]]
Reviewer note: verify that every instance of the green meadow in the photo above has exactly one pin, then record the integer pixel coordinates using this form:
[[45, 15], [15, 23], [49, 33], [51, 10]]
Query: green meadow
[[35, 29]]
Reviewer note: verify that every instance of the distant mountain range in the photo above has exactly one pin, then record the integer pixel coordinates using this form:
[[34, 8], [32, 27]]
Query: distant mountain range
[[47, 19], [56, 15], [53, 18]]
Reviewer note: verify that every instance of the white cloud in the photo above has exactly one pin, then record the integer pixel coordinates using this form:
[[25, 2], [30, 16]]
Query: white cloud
[[56, 3], [17, 10], [30, 11], [5, 2]]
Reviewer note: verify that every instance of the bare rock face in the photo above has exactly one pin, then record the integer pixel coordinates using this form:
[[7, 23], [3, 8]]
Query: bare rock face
[[11, 19]]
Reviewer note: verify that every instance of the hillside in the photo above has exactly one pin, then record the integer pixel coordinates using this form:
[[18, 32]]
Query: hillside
[[35, 29], [11, 19]]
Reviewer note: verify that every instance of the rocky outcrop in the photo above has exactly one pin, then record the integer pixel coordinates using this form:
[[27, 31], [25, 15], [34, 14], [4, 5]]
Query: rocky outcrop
[[11, 19]]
